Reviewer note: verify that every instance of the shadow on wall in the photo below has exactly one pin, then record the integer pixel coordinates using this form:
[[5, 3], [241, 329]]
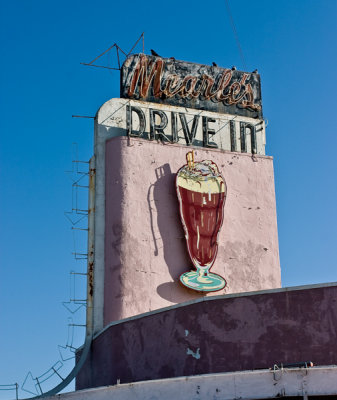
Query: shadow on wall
[[165, 218], [114, 284]]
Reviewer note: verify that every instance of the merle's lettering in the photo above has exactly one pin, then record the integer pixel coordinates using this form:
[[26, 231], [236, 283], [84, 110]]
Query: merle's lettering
[[169, 81]]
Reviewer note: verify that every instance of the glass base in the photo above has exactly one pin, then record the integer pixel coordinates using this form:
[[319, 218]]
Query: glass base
[[208, 283]]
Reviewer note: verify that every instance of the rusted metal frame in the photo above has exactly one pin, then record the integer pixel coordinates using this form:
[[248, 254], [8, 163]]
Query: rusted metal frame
[[80, 186], [189, 135], [90, 283], [81, 162], [79, 210], [100, 66], [78, 273], [157, 131], [121, 50], [233, 135], [82, 116], [85, 255], [44, 377], [225, 124], [207, 132], [235, 33], [142, 123], [88, 301], [112, 114], [253, 139], [80, 301], [243, 137], [188, 114], [117, 52], [91, 63], [141, 36], [104, 52], [39, 385], [55, 372], [15, 386], [175, 138], [70, 220], [80, 173]]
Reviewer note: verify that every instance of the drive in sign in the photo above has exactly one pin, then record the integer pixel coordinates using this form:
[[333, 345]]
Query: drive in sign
[[189, 127]]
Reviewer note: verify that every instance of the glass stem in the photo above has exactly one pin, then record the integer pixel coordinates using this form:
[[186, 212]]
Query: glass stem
[[203, 272]]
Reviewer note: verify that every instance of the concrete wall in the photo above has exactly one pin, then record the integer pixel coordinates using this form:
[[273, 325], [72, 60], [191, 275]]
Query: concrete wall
[[317, 381], [217, 334], [140, 248], [145, 248]]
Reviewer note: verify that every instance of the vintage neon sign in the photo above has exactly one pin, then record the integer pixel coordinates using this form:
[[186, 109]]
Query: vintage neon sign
[[196, 130], [181, 83]]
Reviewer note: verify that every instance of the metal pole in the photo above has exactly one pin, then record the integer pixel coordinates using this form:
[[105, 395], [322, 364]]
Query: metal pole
[[90, 288]]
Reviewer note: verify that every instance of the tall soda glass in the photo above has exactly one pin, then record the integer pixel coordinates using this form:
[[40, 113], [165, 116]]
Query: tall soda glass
[[201, 191]]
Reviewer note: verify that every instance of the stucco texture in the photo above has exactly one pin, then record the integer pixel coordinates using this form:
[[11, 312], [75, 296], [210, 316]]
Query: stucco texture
[[145, 248], [218, 334]]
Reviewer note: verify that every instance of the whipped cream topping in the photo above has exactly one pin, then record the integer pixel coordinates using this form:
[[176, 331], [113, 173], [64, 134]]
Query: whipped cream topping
[[203, 177]]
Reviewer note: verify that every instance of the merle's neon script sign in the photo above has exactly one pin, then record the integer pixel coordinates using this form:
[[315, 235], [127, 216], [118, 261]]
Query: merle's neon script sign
[[181, 83]]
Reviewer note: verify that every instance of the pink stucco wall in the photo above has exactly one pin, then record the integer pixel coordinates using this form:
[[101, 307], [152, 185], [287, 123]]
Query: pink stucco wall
[[145, 249]]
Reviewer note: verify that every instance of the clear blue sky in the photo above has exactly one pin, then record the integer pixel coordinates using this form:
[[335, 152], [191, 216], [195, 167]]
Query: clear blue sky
[[293, 45]]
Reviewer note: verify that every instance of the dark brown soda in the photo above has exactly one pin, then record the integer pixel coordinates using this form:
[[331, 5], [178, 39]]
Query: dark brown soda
[[201, 212]]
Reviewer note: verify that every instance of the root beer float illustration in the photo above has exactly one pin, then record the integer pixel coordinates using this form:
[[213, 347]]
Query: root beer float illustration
[[202, 192]]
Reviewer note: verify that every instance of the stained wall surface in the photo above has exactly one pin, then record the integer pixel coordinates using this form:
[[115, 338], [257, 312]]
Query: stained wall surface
[[218, 334], [145, 248], [318, 383], [139, 244]]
